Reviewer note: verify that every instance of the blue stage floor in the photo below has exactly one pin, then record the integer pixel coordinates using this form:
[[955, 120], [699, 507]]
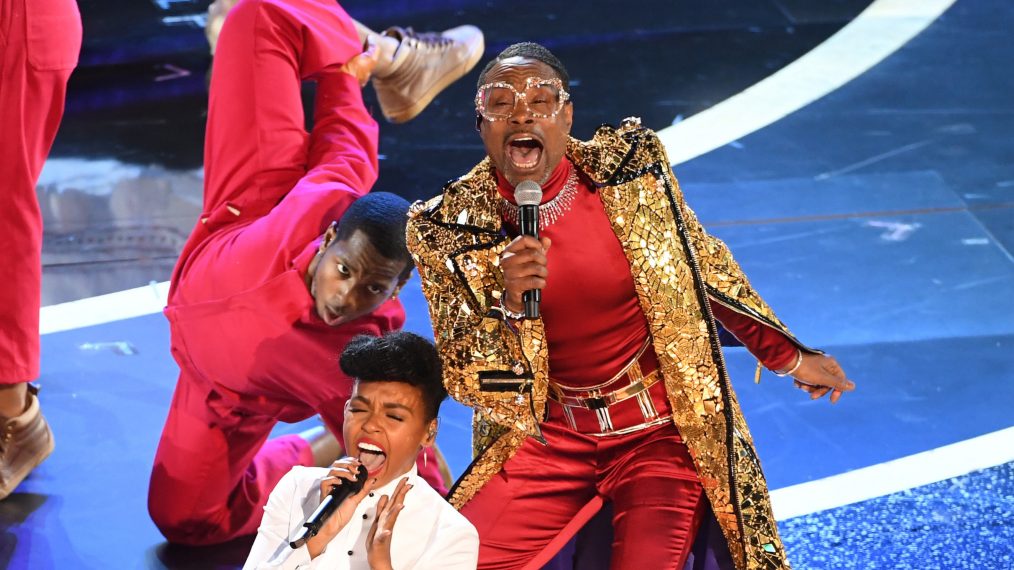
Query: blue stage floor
[[960, 523], [878, 221]]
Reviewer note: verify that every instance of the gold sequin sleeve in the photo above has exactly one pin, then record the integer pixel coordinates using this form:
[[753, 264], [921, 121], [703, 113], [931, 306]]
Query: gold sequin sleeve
[[725, 281], [485, 365]]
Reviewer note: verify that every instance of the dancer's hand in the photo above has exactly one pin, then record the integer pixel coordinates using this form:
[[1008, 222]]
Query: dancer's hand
[[345, 469], [819, 374], [361, 66], [378, 541], [524, 268]]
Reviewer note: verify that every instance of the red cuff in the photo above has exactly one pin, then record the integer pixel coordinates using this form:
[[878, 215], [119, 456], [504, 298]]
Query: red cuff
[[774, 350]]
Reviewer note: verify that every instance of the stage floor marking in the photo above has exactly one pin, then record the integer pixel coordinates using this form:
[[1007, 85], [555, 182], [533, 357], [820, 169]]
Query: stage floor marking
[[894, 476], [877, 32]]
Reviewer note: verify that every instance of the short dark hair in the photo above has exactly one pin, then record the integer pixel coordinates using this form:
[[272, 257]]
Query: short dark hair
[[382, 217], [529, 50], [398, 356]]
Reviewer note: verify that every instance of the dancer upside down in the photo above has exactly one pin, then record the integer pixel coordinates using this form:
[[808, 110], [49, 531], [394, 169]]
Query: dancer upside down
[[291, 257]]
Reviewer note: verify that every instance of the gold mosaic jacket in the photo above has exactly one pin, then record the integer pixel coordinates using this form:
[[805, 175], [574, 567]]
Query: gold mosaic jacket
[[501, 370]]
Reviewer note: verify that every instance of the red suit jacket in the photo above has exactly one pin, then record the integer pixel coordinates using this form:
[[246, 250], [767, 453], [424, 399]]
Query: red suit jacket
[[240, 312]]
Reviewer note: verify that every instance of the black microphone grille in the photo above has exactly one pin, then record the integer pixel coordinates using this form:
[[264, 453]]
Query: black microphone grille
[[528, 193]]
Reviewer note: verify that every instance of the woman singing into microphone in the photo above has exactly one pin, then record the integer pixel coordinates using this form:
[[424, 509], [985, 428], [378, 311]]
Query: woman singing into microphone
[[390, 417]]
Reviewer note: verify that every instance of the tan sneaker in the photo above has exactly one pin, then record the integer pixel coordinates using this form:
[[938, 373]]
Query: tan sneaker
[[25, 441], [424, 64]]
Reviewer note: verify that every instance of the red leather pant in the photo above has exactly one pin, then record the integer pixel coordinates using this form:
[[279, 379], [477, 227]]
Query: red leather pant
[[545, 494]]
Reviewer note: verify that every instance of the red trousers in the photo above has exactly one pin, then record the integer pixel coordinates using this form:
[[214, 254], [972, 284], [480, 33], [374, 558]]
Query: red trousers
[[39, 45], [215, 467], [545, 494]]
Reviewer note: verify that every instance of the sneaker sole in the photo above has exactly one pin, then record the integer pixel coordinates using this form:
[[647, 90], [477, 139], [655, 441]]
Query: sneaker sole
[[408, 113]]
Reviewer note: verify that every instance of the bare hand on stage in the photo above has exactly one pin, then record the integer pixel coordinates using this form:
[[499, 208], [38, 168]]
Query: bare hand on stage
[[524, 268], [345, 469], [378, 541], [819, 374], [361, 66]]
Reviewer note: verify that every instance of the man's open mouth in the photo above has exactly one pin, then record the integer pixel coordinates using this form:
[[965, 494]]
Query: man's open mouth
[[331, 317], [372, 457], [524, 152]]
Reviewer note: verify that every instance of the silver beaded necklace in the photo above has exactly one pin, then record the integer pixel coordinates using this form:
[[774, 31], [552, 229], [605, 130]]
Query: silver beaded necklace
[[551, 210]]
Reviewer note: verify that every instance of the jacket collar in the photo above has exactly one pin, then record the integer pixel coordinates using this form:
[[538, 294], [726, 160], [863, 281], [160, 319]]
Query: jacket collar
[[469, 203]]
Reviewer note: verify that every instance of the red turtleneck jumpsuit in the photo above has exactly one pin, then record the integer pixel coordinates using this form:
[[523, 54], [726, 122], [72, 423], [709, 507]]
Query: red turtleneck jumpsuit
[[594, 326]]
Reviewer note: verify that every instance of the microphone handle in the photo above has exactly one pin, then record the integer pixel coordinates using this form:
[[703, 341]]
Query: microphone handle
[[528, 220], [316, 520], [532, 299], [328, 506]]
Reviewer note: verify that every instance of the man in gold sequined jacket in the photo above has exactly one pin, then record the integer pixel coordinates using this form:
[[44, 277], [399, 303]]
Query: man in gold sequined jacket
[[617, 391]]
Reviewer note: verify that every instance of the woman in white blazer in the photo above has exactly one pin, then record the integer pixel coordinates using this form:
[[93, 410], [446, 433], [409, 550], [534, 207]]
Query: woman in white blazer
[[397, 521]]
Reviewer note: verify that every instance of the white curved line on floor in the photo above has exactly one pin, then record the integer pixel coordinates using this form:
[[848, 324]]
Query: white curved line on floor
[[883, 479], [137, 302], [874, 34]]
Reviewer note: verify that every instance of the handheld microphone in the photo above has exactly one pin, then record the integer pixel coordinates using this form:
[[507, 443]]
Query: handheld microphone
[[328, 506], [528, 196]]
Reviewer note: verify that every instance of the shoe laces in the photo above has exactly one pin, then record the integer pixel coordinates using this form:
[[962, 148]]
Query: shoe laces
[[6, 434], [431, 40]]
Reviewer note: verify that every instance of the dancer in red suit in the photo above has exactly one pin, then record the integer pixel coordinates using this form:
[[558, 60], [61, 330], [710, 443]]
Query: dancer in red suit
[[261, 304], [39, 45]]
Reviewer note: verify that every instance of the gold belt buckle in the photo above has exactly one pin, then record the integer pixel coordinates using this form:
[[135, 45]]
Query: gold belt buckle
[[605, 420]]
